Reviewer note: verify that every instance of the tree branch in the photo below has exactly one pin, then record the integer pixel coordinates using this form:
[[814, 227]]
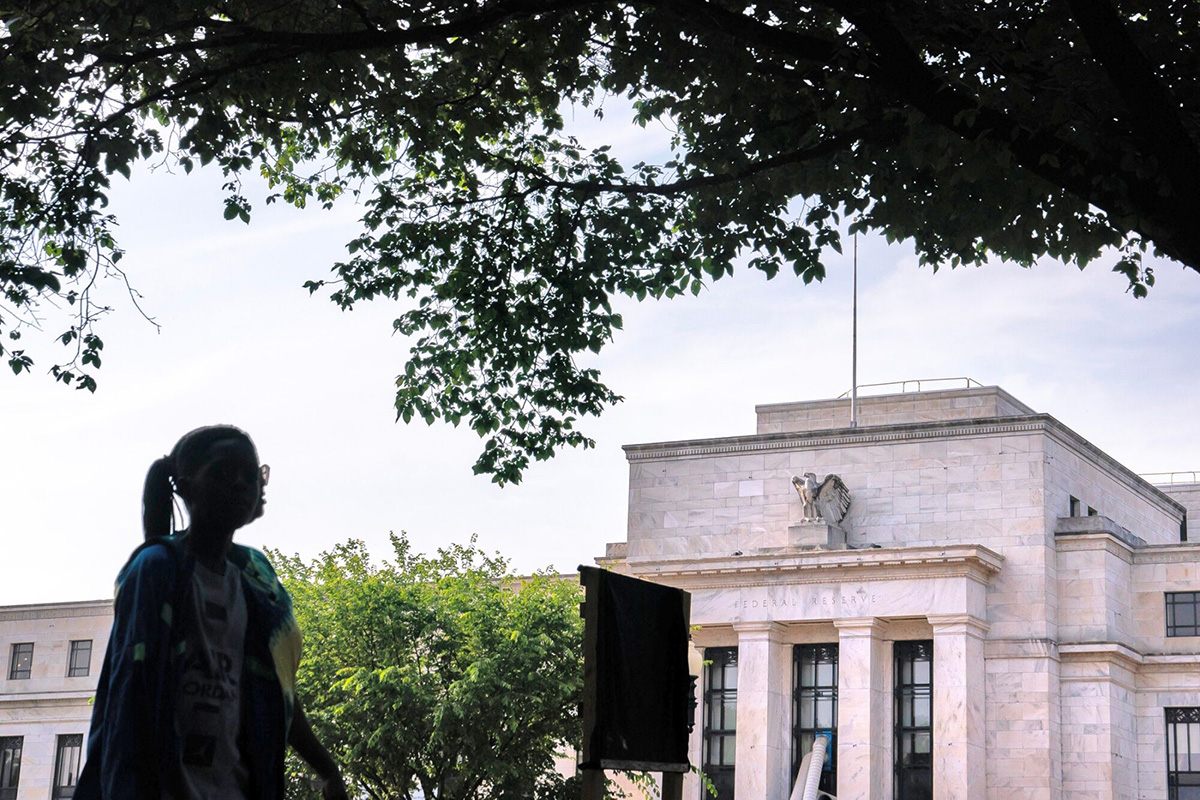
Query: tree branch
[[232, 35], [877, 133], [718, 19], [1154, 112]]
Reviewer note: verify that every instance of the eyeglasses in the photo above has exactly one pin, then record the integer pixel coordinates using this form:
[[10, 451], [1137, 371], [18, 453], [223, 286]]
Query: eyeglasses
[[265, 472]]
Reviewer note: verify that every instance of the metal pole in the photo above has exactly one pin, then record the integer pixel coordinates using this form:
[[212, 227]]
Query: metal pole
[[854, 343]]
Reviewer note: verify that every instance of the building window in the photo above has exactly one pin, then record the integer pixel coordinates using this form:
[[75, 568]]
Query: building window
[[1183, 618], [10, 765], [914, 720], [21, 665], [66, 765], [1073, 506], [814, 707], [80, 662], [720, 719], [1183, 753]]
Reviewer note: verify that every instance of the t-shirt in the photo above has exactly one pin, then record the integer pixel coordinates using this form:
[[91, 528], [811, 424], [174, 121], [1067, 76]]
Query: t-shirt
[[208, 701]]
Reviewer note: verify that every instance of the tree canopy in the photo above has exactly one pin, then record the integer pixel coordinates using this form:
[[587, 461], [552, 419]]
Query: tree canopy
[[1010, 129], [442, 675]]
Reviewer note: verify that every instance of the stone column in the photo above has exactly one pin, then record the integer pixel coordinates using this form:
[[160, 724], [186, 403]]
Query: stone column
[[959, 692], [864, 709], [763, 712]]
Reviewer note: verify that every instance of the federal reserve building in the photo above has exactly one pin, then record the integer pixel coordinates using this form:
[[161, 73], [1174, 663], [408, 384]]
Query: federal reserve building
[[967, 598]]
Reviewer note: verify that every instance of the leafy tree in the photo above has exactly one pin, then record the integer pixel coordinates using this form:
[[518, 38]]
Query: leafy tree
[[1062, 128], [446, 675]]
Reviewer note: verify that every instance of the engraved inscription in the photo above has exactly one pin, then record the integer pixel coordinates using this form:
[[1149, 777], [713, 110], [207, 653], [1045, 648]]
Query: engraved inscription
[[857, 599]]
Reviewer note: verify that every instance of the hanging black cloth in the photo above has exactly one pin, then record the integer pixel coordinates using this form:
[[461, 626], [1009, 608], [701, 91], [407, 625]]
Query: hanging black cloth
[[637, 690]]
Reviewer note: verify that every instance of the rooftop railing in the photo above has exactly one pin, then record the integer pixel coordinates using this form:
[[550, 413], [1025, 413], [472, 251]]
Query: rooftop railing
[[1170, 478], [917, 382]]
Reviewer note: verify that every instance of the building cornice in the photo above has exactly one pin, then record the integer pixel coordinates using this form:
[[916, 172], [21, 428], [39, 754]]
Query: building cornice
[[1181, 552], [42, 699], [1171, 662], [1111, 652], [759, 629], [1033, 647], [83, 608], [822, 566], [966, 624], [1175, 553], [755, 444], [838, 437], [851, 627], [1099, 540]]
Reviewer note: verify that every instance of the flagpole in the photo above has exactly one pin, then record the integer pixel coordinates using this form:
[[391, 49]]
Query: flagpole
[[854, 342]]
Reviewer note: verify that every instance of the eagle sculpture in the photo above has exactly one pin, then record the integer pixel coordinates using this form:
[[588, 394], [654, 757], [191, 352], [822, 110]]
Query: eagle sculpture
[[828, 500]]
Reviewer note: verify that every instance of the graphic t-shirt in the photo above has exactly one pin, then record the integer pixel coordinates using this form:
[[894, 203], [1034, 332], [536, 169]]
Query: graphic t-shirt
[[208, 705]]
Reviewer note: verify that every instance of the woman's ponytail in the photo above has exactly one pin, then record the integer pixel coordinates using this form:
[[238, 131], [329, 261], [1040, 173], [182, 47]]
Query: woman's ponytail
[[157, 505]]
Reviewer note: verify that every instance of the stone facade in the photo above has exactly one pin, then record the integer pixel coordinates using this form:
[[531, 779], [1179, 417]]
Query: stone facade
[[50, 703], [1035, 563]]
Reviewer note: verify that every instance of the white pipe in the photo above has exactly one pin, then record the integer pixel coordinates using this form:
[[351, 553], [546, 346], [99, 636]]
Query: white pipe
[[801, 774], [809, 776]]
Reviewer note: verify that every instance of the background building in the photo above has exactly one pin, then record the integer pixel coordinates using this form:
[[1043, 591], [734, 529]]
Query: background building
[[1006, 611], [52, 655]]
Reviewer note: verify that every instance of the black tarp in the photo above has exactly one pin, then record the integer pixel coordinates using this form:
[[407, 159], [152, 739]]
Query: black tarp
[[636, 683]]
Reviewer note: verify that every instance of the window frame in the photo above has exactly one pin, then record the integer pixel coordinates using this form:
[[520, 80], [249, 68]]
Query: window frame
[[1171, 601], [819, 654], [65, 742], [910, 652], [73, 670], [14, 674], [721, 661], [1189, 718], [10, 765]]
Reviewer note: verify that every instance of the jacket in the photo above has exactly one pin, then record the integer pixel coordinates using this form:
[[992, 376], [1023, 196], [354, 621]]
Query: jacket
[[133, 752]]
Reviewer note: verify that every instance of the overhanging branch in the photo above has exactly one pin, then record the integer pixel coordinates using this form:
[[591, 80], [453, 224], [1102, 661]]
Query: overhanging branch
[[880, 133]]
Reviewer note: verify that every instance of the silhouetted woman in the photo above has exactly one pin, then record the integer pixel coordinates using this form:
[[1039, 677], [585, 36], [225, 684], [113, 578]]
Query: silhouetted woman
[[196, 698]]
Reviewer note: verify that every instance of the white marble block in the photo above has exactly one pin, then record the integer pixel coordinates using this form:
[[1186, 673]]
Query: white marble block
[[809, 535]]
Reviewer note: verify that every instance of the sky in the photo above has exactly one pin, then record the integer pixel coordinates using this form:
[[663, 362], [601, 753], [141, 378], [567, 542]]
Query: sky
[[242, 342]]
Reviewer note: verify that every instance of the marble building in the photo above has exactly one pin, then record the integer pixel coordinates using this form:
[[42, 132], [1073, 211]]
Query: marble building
[[1004, 612], [52, 654]]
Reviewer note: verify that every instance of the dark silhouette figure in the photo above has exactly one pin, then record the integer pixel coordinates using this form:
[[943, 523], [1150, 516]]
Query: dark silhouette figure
[[197, 696]]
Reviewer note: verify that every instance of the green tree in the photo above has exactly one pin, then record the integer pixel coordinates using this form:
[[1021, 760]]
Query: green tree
[[446, 675], [1012, 128]]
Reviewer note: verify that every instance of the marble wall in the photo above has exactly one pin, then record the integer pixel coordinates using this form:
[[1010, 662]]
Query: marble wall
[[1023, 739], [1099, 735], [1111, 491]]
